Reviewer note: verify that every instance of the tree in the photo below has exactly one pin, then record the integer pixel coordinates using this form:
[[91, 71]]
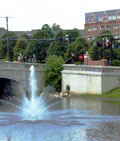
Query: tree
[[56, 29], [3, 45], [74, 33], [79, 46], [21, 46], [98, 49], [47, 30], [52, 72], [55, 48], [36, 47]]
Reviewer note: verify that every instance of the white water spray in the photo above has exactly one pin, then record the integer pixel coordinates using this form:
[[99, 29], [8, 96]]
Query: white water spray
[[33, 108]]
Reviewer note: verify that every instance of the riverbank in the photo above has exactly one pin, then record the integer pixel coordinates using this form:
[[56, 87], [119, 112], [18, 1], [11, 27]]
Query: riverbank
[[111, 95]]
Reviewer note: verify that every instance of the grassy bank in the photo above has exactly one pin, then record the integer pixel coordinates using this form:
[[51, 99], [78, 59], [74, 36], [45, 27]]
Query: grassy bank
[[113, 94]]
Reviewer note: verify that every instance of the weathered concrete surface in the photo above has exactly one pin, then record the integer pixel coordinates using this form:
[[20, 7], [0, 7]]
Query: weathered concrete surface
[[90, 79], [20, 73]]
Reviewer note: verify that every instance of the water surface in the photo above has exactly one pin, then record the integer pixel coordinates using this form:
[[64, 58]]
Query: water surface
[[67, 119]]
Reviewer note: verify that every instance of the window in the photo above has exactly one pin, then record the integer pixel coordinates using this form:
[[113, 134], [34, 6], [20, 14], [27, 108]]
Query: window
[[89, 29], [107, 27], [100, 19], [92, 18], [94, 28], [115, 26], [102, 28], [110, 18], [118, 17]]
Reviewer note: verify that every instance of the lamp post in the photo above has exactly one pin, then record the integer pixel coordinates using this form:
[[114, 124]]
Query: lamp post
[[103, 48], [111, 45]]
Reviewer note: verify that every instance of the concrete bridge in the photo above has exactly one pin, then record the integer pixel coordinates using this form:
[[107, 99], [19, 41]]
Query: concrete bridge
[[15, 74], [14, 77]]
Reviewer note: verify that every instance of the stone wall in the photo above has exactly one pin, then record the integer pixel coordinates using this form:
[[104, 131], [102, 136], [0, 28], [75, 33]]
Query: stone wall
[[20, 72], [90, 79]]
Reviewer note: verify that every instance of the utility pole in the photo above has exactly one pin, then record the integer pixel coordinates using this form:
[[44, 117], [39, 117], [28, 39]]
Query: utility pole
[[8, 47]]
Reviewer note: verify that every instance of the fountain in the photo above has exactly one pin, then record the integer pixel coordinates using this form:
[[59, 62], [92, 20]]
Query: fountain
[[33, 108], [31, 118]]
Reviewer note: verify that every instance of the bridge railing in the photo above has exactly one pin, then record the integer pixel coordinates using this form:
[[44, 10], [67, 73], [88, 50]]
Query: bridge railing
[[102, 69], [19, 65]]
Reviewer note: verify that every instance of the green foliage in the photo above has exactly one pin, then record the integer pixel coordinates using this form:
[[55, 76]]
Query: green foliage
[[115, 93], [52, 72], [79, 46], [74, 33], [56, 48], [116, 62], [112, 94], [56, 30], [37, 45], [101, 51], [21, 46], [3, 45]]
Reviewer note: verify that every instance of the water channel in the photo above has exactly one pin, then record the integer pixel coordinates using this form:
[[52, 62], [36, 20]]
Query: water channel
[[49, 118]]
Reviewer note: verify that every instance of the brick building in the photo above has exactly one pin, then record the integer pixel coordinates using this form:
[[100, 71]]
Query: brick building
[[96, 22]]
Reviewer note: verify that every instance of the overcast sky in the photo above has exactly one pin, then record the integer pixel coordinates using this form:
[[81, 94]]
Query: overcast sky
[[32, 14]]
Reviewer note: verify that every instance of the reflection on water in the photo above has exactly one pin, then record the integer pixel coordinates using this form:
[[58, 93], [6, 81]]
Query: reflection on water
[[70, 119]]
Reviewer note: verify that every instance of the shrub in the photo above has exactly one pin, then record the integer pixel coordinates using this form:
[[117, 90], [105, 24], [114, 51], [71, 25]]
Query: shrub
[[52, 72], [116, 63]]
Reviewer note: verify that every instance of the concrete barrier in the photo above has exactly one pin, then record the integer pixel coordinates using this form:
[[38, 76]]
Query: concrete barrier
[[90, 79]]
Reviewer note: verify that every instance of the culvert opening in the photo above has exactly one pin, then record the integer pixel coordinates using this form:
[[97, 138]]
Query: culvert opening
[[8, 88]]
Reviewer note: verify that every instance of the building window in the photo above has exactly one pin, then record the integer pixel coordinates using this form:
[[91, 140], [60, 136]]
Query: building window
[[115, 26], [92, 19], [107, 27], [89, 29], [100, 19], [110, 18], [94, 28], [118, 17], [102, 28], [90, 38]]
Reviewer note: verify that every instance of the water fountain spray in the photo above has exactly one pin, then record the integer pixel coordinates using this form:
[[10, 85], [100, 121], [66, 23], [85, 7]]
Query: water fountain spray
[[33, 108]]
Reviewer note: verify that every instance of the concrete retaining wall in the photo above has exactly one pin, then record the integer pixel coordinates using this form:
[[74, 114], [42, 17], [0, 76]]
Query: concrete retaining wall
[[90, 79]]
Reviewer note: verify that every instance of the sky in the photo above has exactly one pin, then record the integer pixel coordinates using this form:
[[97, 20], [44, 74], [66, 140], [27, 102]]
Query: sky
[[27, 15]]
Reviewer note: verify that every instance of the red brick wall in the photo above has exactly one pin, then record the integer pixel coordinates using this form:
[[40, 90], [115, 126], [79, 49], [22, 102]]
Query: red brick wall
[[88, 61], [98, 25]]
